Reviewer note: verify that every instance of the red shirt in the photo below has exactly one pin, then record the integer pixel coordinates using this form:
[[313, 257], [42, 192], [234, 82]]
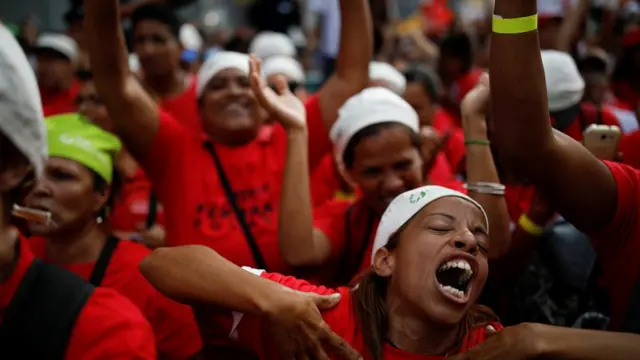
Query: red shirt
[[131, 208], [465, 83], [342, 319], [60, 102], [108, 327], [626, 94], [618, 245], [630, 148], [325, 183], [197, 210], [174, 325], [184, 108]]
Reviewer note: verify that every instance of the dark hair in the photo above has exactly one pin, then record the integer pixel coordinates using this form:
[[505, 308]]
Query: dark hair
[[458, 45], [160, 13], [350, 150], [370, 308], [427, 78]]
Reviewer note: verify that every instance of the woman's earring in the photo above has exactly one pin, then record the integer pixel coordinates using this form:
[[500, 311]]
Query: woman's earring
[[99, 219]]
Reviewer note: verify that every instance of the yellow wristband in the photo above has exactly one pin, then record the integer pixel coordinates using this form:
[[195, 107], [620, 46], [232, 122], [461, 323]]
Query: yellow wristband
[[519, 25], [529, 226]]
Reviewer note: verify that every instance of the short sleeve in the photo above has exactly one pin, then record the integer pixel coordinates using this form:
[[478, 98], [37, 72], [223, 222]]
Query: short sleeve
[[111, 327], [330, 219], [319, 143], [626, 219], [166, 149]]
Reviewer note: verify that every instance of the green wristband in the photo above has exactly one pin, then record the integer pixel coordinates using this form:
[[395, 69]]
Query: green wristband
[[477, 142]]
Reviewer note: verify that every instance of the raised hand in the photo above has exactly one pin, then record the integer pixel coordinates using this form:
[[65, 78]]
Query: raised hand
[[282, 104]]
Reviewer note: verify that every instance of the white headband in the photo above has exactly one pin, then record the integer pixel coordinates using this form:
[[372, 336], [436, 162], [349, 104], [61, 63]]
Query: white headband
[[371, 106], [393, 79], [220, 61], [284, 65], [409, 203]]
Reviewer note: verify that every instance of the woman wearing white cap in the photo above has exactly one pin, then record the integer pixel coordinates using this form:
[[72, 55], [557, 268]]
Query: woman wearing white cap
[[378, 146], [417, 301]]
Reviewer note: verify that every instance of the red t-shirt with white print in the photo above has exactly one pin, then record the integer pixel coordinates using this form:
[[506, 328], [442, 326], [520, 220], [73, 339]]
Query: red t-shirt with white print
[[342, 319]]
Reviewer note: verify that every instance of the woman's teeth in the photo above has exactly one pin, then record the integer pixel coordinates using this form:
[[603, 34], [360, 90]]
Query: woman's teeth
[[459, 264], [455, 292]]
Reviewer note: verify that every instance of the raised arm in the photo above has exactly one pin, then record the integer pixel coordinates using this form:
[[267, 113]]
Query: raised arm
[[579, 186], [134, 113], [351, 73]]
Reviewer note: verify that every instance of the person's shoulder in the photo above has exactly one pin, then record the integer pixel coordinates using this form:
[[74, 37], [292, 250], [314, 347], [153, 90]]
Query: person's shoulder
[[110, 326]]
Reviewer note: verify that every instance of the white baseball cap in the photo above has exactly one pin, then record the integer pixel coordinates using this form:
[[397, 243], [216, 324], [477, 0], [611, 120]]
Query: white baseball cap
[[60, 43], [22, 119], [406, 205], [565, 85], [269, 43], [371, 106], [284, 65], [390, 76], [220, 61]]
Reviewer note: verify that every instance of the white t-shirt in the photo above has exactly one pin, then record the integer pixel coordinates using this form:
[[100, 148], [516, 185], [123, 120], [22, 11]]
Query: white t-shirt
[[329, 11]]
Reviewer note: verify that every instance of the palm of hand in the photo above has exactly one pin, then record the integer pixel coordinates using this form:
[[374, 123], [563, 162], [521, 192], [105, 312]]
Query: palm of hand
[[287, 107]]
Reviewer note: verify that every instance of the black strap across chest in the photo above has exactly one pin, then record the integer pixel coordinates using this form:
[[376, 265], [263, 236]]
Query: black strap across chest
[[355, 247], [100, 268], [39, 321], [239, 212]]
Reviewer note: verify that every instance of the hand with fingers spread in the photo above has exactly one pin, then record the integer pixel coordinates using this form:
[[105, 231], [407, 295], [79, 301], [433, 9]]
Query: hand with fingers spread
[[281, 103], [298, 331]]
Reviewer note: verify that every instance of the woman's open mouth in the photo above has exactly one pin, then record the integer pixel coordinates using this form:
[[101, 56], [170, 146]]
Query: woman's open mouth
[[454, 279]]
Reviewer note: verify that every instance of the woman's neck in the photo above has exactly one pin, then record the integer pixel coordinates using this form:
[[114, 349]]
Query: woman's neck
[[76, 246], [417, 336]]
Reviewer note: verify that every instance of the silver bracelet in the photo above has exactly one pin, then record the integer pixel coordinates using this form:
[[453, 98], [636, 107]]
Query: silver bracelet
[[486, 188]]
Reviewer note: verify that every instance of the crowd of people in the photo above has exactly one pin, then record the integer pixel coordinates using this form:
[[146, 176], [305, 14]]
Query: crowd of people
[[164, 197]]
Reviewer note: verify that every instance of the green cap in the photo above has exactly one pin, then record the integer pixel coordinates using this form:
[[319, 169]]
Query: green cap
[[73, 137]]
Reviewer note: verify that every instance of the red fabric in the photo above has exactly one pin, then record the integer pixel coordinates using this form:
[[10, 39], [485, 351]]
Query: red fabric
[[131, 208], [618, 245], [60, 102], [630, 149], [173, 324], [518, 200], [325, 182], [626, 94], [197, 211], [343, 321], [108, 327], [590, 116], [184, 108], [465, 83], [454, 148]]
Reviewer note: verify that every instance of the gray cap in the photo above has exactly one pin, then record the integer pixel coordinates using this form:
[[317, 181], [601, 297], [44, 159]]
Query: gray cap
[[21, 117]]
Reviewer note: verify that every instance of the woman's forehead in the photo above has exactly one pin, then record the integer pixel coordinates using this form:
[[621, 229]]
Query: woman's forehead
[[229, 73], [452, 207]]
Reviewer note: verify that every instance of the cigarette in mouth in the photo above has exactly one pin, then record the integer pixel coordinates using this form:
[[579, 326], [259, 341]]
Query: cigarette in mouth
[[29, 214]]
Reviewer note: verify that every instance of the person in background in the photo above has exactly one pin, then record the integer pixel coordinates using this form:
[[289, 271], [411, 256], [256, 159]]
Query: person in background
[[108, 325], [56, 56], [274, 15], [423, 93], [456, 72], [565, 89], [267, 44], [291, 69], [156, 42], [384, 75], [135, 211], [626, 75], [76, 189], [192, 45], [378, 146], [323, 31]]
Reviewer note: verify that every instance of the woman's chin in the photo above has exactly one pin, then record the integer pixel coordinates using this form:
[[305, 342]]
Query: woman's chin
[[39, 229]]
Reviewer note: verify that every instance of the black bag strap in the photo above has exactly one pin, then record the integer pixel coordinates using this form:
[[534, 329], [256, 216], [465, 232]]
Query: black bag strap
[[631, 321], [152, 214], [584, 123], [38, 322], [231, 197], [103, 261], [349, 264]]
